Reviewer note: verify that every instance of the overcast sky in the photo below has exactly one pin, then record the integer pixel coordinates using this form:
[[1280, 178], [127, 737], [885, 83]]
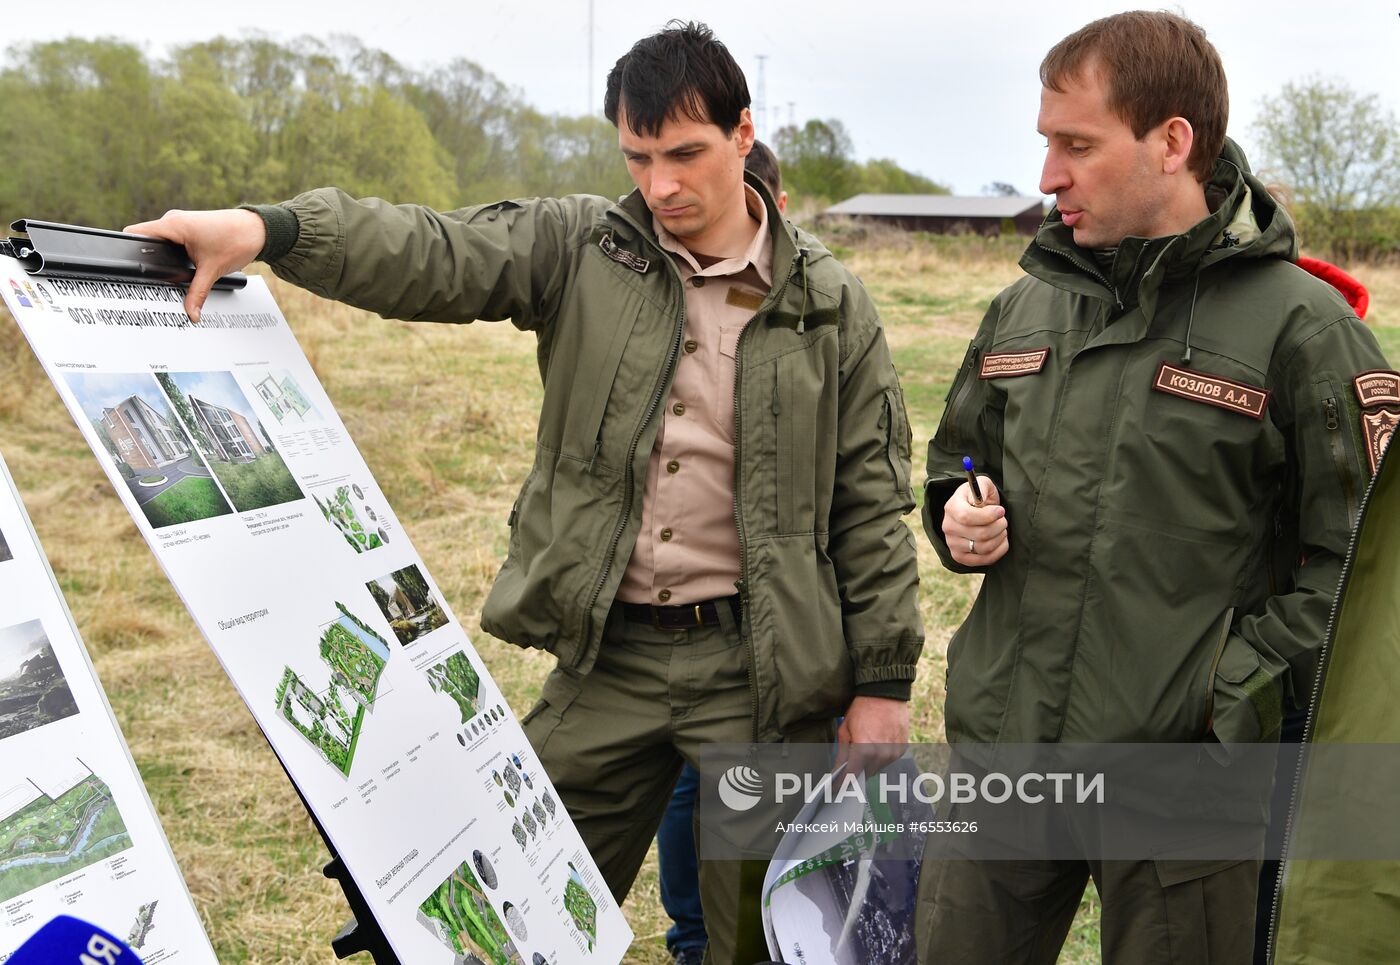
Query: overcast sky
[[947, 89]]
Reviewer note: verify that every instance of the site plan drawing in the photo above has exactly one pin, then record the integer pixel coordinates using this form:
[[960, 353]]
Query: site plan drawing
[[220, 441], [456, 678], [51, 837], [356, 657]]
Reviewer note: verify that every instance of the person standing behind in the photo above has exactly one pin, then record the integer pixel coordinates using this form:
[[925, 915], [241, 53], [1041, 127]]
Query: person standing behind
[[677, 864], [1170, 419]]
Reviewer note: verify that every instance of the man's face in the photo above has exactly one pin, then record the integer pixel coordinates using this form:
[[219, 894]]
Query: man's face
[[1107, 183], [691, 173]]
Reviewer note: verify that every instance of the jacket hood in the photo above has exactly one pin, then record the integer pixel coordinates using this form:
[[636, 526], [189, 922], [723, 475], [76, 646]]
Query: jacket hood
[[1244, 222]]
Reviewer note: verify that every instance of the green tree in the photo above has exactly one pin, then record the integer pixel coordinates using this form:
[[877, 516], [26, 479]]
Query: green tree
[[1334, 147], [817, 159], [1338, 152], [884, 176]]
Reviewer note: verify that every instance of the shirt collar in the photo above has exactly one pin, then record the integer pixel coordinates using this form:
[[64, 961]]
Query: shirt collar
[[758, 254]]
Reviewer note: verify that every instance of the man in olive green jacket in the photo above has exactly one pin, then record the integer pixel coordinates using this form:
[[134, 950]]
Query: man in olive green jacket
[[720, 411], [1173, 434]]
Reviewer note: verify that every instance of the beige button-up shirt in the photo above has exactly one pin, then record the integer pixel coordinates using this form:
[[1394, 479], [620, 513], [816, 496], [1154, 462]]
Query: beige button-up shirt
[[688, 547]]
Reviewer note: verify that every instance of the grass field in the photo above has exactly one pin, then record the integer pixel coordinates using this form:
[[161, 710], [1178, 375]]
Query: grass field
[[249, 854]]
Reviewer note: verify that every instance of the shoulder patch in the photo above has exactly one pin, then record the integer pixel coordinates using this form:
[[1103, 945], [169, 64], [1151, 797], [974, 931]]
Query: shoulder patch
[[1378, 387], [1007, 365], [1378, 428], [1216, 390]]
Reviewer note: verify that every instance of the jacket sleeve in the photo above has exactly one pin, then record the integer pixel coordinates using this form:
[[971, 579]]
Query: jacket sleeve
[[871, 547], [971, 426], [1273, 654], [490, 262]]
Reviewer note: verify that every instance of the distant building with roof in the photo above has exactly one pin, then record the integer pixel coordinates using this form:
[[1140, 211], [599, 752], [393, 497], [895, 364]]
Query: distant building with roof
[[943, 213]]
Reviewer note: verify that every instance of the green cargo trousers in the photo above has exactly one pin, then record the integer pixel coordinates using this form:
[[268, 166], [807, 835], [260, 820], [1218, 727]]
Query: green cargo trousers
[[1154, 912], [613, 742]]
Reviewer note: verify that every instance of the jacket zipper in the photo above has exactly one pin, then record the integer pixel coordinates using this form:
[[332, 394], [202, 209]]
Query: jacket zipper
[[1339, 456], [965, 380], [1088, 269], [742, 584], [1312, 705], [629, 482]]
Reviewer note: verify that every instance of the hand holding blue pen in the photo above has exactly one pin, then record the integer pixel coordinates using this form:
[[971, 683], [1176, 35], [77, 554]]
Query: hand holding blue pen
[[974, 521], [972, 481]]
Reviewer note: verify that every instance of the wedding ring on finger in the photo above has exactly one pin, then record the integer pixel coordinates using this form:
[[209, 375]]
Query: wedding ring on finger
[[972, 547]]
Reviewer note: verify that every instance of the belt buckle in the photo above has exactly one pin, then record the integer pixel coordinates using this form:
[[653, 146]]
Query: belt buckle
[[656, 619]]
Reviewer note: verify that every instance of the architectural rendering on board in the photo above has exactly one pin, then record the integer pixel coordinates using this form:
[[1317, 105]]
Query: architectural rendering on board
[[230, 433], [144, 438]]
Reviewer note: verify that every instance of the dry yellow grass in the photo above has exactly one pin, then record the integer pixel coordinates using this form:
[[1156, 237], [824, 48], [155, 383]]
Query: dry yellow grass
[[468, 400]]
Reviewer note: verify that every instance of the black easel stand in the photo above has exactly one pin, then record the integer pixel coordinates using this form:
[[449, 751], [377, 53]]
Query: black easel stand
[[362, 932]]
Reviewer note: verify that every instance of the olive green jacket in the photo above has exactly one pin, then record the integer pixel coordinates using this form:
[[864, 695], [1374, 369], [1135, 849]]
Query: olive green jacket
[[822, 473], [1157, 519]]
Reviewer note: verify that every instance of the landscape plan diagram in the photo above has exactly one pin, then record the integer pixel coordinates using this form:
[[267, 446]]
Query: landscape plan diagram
[[330, 720], [455, 677], [33, 690], [460, 915], [283, 397], [52, 825], [339, 510]]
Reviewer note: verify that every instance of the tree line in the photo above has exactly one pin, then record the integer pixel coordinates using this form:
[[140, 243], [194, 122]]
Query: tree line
[[1333, 153], [99, 133]]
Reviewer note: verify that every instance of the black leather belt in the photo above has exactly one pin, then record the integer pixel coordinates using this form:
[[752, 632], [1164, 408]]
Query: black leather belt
[[686, 616]]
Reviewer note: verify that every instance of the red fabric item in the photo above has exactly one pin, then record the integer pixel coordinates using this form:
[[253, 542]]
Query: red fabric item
[[1352, 290]]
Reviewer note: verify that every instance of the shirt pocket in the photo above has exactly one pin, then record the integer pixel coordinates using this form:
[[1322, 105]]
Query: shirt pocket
[[729, 343]]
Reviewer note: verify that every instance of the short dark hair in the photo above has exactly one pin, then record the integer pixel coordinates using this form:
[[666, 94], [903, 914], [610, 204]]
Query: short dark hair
[[683, 71], [763, 164], [1156, 66]]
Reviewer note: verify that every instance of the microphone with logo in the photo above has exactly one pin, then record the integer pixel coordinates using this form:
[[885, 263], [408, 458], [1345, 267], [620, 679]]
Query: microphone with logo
[[71, 941]]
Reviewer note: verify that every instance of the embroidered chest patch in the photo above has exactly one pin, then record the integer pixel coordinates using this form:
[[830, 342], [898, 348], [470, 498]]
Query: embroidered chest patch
[[1213, 390], [622, 256], [1007, 365]]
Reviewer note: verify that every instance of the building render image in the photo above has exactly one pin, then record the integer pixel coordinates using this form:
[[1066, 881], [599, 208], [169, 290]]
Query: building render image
[[232, 434], [142, 435]]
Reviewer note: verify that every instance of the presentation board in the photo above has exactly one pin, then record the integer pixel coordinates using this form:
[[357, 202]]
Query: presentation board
[[78, 835], [236, 468]]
